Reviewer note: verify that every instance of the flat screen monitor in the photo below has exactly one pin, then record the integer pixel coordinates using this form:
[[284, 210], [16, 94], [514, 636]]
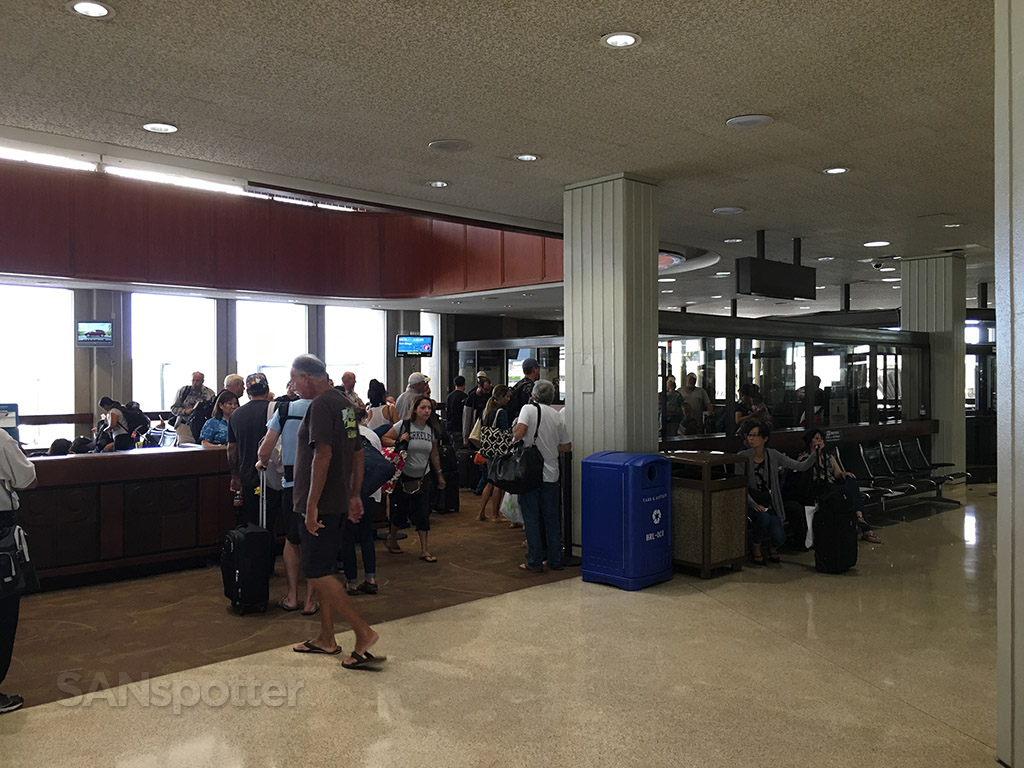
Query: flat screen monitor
[[414, 346], [94, 333]]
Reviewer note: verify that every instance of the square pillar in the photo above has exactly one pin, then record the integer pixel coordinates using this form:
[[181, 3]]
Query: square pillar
[[611, 319]]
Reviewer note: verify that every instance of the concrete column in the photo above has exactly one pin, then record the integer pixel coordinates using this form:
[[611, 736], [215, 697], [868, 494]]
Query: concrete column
[[611, 318], [316, 330], [399, 368], [227, 343], [935, 300], [1009, 230], [108, 370]]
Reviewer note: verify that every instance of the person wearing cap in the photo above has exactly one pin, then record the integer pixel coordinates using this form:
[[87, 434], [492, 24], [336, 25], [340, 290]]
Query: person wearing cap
[[473, 408], [246, 429], [523, 389], [417, 386]]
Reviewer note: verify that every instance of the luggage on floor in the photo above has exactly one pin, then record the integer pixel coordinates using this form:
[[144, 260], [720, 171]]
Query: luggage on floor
[[835, 533], [468, 472], [447, 499], [246, 562]]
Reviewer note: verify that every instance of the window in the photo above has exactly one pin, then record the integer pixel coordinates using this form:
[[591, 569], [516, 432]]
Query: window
[[172, 337], [268, 336], [356, 342], [40, 352]]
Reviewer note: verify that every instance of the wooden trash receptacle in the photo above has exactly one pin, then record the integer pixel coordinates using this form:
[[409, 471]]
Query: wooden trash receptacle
[[709, 510]]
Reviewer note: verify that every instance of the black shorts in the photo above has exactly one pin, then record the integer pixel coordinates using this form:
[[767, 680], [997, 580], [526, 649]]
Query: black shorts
[[320, 552], [293, 520], [414, 508]]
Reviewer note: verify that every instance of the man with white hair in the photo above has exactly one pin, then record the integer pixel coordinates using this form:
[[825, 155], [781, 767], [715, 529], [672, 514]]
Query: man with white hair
[[541, 425], [327, 491], [235, 384]]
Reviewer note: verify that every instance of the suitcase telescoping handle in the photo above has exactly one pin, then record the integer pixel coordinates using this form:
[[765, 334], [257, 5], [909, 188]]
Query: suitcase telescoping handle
[[263, 498]]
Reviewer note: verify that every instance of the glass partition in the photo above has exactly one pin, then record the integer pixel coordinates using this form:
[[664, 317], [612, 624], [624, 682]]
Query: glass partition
[[354, 341], [269, 336]]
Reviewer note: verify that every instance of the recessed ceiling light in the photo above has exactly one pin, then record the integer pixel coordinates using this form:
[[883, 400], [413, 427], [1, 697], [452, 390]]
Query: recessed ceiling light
[[507, 306], [716, 297], [728, 210], [826, 258], [876, 244], [691, 302], [91, 10], [897, 258], [621, 40], [734, 240], [804, 307], [449, 145], [836, 171], [437, 184], [666, 279], [456, 302], [527, 158], [897, 287], [749, 121], [527, 294], [722, 274], [891, 279], [887, 269], [669, 291], [819, 287], [160, 128], [952, 226]]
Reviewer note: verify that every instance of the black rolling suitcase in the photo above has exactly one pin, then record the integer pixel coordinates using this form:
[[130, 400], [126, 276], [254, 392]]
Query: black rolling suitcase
[[245, 562], [447, 500], [835, 533], [468, 473]]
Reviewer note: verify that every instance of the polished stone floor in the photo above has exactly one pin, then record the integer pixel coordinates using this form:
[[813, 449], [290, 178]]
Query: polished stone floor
[[891, 664]]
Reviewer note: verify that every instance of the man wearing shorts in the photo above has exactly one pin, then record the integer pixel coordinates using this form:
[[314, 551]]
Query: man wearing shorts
[[328, 482]]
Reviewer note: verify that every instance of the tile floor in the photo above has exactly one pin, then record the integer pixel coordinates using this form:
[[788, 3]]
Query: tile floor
[[889, 665]]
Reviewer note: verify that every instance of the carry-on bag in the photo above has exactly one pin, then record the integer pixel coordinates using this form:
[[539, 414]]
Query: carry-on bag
[[521, 469], [246, 561], [835, 532]]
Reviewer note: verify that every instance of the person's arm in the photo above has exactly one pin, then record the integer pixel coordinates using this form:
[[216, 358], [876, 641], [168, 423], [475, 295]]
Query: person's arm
[[113, 420], [322, 454], [178, 407], [435, 462], [355, 496], [17, 467], [783, 461], [519, 431], [564, 447], [267, 445], [236, 481], [389, 438]]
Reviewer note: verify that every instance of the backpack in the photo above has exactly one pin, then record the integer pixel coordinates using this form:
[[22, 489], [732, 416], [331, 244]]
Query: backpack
[[519, 397], [282, 416], [201, 413], [137, 421]]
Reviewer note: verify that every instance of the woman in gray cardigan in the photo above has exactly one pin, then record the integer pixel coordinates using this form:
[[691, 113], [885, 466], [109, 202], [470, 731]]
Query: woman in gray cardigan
[[765, 506]]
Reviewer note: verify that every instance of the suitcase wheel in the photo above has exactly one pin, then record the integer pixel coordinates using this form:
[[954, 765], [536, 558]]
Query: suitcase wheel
[[263, 608]]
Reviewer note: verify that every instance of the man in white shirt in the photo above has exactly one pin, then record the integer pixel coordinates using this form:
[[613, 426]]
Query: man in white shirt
[[16, 473], [540, 506]]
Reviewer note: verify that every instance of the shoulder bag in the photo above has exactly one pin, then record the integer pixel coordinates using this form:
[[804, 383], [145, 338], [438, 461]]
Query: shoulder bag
[[17, 574], [521, 470], [494, 441]]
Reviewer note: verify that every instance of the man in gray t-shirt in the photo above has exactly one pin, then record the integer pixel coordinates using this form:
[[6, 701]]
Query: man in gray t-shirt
[[697, 397]]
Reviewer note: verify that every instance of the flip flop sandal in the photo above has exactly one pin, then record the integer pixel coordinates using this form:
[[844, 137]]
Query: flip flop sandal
[[396, 550], [525, 567], [428, 558], [314, 612], [310, 648], [285, 607], [365, 661]]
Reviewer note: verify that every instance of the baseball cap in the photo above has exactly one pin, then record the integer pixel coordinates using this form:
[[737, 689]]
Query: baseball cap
[[530, 363], [481, 374], [418, 378], [256, 384]]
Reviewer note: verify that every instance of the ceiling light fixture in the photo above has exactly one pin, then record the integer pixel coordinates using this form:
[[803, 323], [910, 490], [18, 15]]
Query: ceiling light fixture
[[332, 207], [91, 10], [437, 184], [826, 258], [666, 279], [621, 40], [669, 291], [835, 171], [891, 279], [804, 307], [160, 128], [952, 226], [527, 158], [722, 274], [819, 287], [717, 297], [734, 240], [887, 269], [749, 121], [728, 210], [877, 244], [449, 145], [44, 158]]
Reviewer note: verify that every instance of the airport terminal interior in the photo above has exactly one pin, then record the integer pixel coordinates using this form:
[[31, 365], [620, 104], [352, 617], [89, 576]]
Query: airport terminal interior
[[674, 223]]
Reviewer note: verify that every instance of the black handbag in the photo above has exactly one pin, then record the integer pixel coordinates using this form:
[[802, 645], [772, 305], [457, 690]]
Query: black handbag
[[17, 574], [377, 470], [521, 470]]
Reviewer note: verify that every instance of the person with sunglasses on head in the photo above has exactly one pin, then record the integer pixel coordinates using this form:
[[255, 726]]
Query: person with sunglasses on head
[[767, 510]]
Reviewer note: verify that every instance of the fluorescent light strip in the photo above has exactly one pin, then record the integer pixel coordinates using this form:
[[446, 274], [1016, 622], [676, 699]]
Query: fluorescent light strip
[[178, 181], [332, 207], [293, 201], [43, 158]]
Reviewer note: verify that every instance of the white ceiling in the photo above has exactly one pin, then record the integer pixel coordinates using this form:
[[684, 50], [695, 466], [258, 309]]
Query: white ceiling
[[350, 93]]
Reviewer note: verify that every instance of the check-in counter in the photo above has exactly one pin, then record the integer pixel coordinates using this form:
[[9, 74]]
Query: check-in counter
[[709, 510], [118, 511]]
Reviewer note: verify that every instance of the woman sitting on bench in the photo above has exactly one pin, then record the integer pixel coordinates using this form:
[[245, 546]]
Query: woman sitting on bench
[[828, 472], [765, 507]]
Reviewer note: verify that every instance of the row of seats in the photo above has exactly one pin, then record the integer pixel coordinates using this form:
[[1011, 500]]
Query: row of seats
[[896, 471]]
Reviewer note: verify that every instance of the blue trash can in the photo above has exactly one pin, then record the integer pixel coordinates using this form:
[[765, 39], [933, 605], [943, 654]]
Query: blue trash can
[[627, 521]]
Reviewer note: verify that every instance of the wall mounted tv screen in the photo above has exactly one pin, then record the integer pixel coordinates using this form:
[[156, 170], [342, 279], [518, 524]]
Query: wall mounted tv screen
[[414, 346], [94, 333]]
